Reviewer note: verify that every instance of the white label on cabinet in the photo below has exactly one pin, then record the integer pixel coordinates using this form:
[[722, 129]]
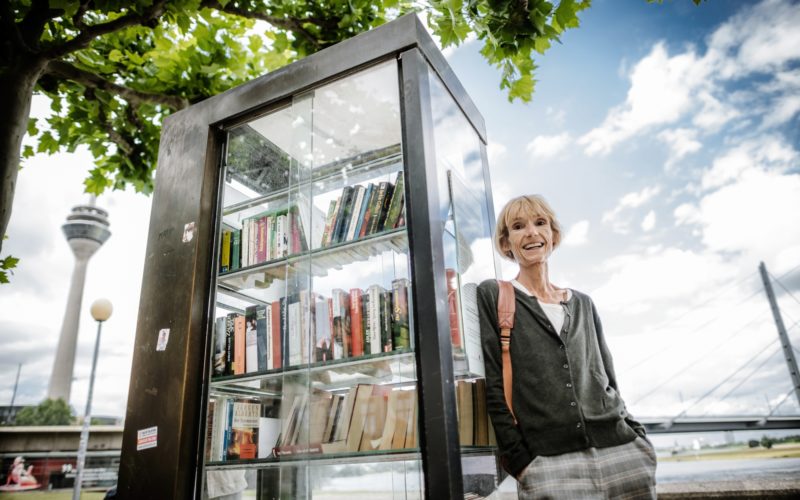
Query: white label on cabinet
[[163, 338], [146, 438], [188, 232]]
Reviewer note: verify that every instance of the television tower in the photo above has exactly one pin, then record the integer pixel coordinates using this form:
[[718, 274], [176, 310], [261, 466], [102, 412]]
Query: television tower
[[86, 230]]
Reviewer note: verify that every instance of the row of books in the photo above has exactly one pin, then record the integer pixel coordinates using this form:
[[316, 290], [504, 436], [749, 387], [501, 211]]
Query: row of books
[[364, 210], [307, 328], [263, 237], [367, 417]]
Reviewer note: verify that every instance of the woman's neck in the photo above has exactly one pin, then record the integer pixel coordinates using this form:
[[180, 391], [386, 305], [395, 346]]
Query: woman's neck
[[535, 278]]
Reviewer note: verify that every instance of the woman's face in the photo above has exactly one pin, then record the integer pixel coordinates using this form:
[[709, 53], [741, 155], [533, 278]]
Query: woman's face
[[530, 239]]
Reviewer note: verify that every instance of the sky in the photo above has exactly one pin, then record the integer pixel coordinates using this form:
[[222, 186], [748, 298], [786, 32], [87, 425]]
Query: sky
[[664, 136]]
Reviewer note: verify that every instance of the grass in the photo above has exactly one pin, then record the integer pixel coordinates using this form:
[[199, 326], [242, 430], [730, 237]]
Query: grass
[[51, 495], [788, 450]]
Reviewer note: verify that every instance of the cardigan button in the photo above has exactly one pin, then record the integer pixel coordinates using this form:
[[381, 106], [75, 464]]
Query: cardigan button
[[578, 426], [561, 347], [573, 403], [569, 384], [566, 365]]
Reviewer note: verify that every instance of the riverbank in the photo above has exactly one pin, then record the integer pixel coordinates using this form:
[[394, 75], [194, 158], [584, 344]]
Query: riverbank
[[784, 450]]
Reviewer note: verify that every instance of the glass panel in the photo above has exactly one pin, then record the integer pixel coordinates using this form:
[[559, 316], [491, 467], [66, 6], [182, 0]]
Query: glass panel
[[314, 372], [469, 259]]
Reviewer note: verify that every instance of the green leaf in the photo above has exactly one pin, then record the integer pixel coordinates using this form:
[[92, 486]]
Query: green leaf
[[115, 55], [27, 151], [32, 130]]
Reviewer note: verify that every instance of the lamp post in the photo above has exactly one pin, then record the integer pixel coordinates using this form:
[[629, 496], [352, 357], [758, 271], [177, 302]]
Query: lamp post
[[101, 311]]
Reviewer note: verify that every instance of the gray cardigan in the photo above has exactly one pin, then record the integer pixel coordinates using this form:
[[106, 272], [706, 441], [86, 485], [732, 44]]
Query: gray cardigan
[[564, 393]]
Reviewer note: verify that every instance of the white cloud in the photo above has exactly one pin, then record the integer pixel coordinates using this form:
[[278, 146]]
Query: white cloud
[[649, 221], [665, 89], [682, 142], [764, 153], [496, 152], [660, 93], [577, 234], [548, 146], [557, 115], [616, 216], [686, 213], [758, 215]]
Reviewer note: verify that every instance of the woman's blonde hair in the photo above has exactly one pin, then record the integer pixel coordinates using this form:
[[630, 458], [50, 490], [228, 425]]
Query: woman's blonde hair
[[529, 206]]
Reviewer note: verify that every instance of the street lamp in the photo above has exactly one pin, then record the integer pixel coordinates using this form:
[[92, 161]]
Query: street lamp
[[101, 311]]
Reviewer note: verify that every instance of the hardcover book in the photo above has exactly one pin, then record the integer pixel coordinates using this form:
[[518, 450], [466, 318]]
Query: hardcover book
[[244, 431]]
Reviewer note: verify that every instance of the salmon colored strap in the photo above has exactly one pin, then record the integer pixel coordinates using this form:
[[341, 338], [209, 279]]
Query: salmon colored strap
[[505, 320]]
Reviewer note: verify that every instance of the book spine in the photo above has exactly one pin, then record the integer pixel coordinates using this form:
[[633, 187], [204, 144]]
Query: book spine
[[294, 228], [341, 216], [452, 303], [251, 340], [282, 236], [245, 244], [385, 207], [375, 209], [284, 315], [219, 347], [358, 200], [356, 331], [365, 322], [229, 341], [365, 218], [396, 204], [225, 254], [261, 338], [362, 210], [341, 326], [239, 345], [375, 292], [236, 250], [277, 349], [401, 338], [386, 321], [328, 221], [261, 256]]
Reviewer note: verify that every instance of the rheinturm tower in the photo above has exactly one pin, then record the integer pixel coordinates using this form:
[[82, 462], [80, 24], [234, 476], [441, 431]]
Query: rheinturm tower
[[86, 230]]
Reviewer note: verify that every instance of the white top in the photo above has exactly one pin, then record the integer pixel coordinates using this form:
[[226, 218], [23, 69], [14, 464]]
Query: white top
[[554, 312]]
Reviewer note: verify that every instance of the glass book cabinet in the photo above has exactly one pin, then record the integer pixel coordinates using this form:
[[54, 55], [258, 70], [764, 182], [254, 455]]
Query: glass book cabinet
[[308, 323]]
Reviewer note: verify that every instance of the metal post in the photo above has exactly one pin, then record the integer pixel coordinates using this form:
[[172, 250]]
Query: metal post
[[87, 418], [784, 337]]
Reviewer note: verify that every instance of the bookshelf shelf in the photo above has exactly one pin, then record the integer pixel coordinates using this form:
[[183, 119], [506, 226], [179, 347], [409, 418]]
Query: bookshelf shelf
[[319, 261], [386, 368]]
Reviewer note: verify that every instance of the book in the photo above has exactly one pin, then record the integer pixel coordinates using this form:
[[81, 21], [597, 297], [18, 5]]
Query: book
[[229, 342], [320, 408], [356, 325], [404, 409], [401, 337], [262, 338], [345, 414], [480, 413], [293, 328], [362, 211], [209, 429], [396, 203], [220, 423], [262, 254], [236, 251], [386, 321], [359, 416], [377, 207], [452, 304], [411, 429], [333, 415], [276, 357], [323, 345], [390, 423], [339, 220], [251, 340], [384, 207], [239, 344], [341, 323], [243, 444], [219, 347], [376, 299], [282, 236], [358, 200], [366, 216], [465, 412], [328, 221], [375, 420], [225, 254]]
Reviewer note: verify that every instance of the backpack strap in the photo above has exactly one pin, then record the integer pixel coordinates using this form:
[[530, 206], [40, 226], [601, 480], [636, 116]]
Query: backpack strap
[[506, 305]]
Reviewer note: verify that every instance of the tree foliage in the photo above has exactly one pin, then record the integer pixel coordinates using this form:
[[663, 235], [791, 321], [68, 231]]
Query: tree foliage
[[48, 412], [114, 69]]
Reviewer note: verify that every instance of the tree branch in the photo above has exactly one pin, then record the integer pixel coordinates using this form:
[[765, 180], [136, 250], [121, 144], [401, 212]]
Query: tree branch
[[8, 23], [136, 97], [290, 24], [32, 25], [91, 32], [123, 144]]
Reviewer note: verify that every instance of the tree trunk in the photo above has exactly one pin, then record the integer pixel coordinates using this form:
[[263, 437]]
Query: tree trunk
[[16, 92]]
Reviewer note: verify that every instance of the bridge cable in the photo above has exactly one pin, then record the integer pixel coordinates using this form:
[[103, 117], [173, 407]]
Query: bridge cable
[[695, 330], [785, 397], [790, 271], [682, 413], [695, 360], [745, 379], [776, 280]]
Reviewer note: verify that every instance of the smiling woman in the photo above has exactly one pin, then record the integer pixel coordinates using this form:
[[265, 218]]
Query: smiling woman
[[564, 432]]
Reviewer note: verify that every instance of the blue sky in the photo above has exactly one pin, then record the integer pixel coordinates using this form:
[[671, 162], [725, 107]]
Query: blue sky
[[665, 137]]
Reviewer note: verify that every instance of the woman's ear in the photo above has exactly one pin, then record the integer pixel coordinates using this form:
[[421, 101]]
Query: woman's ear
[[505, 246]]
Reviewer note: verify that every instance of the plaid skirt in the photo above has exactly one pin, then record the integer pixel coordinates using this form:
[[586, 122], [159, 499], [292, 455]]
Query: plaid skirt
[[621, 472]]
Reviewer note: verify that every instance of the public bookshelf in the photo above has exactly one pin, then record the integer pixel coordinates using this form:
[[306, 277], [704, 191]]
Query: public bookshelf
[[319, 293]]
